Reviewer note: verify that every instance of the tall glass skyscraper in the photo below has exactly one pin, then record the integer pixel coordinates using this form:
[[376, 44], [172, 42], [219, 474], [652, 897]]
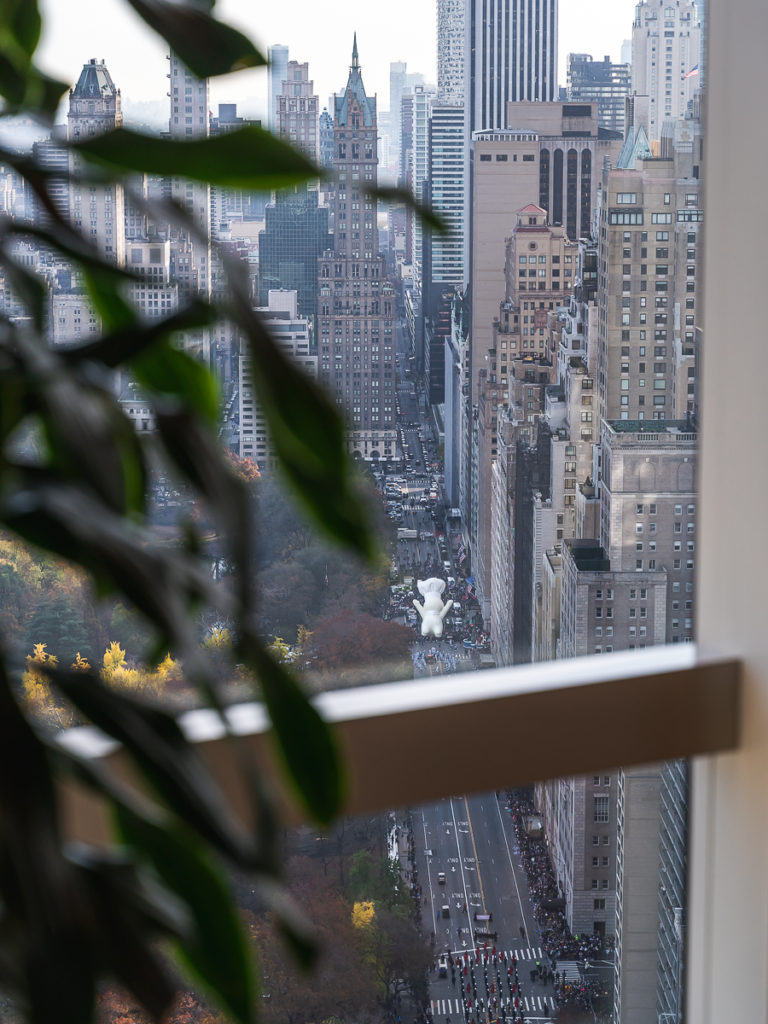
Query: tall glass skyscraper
[[295, 234]]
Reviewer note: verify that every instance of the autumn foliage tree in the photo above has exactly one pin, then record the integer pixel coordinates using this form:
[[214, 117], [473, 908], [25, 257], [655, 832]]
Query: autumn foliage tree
[[359, 649]]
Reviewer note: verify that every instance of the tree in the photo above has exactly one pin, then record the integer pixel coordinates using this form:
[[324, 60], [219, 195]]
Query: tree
[[359, 649]]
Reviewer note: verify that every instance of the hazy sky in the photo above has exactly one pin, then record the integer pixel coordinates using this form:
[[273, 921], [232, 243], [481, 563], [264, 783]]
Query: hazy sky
[[77, 30]]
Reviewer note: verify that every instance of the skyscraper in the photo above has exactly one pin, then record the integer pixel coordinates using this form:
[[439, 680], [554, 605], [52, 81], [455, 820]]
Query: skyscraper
[[666, 53], [191, 257], [357, 304], [278, 67], [95, 108], [450, 52], [511, 54], [600, 80], [295, 234], [446, 196], [325, 137], [297, 109]]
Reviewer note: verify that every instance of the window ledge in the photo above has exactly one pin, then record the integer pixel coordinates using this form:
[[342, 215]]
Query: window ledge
[[411, 742]]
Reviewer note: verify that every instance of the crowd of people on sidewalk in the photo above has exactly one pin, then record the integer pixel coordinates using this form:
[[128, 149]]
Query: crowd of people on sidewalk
[[584, 995], [556, 939]]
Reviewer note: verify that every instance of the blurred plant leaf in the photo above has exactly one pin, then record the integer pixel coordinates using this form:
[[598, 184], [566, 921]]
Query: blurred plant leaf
[[403, 196], [126, 918], [116, 312], [291, 920], [42, 932], [24, 88], [307, 432], [198, 454], [74, 247], [248, 158], [89, 438], [169, 763], [167, 371], [304, 741], [21, 22], [216, 948], [121, 346], [28, 286], [161, 582], [208, 47]]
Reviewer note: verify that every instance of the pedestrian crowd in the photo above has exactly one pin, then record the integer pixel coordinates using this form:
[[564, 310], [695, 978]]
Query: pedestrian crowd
[[556, 937], [584, 996]]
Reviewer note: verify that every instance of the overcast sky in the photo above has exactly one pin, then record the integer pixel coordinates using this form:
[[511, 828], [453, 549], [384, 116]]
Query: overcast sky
[[77, 30]]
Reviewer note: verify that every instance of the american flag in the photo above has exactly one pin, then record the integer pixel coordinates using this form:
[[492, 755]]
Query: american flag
[[692, 73]]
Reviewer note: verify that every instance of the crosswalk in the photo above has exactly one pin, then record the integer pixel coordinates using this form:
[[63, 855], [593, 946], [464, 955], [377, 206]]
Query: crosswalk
[[531, 1004], [534, 1005], [571, 969], [528, 953]]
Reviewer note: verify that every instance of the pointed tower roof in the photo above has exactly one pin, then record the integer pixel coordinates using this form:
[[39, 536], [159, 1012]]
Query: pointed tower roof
[[355, 90], [636, 147], [94, 81]]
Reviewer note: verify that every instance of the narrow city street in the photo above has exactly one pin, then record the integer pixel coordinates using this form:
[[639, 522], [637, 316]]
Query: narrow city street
[[475, 898]]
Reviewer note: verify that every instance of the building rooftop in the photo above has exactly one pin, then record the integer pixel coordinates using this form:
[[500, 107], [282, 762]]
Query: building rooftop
[[588, 555], [651, 426], [356, 89], [94, 81]]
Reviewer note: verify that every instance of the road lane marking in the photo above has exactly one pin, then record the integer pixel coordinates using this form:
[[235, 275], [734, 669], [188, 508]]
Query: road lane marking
[[474, 849], [511, 865]]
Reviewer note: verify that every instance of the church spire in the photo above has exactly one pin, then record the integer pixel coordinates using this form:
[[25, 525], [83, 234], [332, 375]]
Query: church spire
[[355, 61]]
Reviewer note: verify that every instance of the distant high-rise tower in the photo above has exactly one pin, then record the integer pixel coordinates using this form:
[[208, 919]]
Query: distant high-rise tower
[[95, 108], [397, 72], [600, 80], [278, 67], [297, 109], [446, 195], [191, 255], [666, 54], [450, 52], [325, 133], [418, 166], [511, 54], [356, 343]]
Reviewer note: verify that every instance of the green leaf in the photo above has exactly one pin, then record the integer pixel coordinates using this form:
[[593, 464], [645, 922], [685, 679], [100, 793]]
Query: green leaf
[[403, 196], [207, 46], [304, 740], [116, 313], [28, 286], [123, 345], [126, 917], [169, 762], [216, 951], [168, 371], [22, 19], [248, 158], [26, 89], [61, 237], [89, 437], [161, 582], [307, 432], [42, 930], [14, 402], [199, 455], [291, 920]]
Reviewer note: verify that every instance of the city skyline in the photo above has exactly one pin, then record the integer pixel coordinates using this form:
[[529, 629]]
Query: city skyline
[[108, 29]]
